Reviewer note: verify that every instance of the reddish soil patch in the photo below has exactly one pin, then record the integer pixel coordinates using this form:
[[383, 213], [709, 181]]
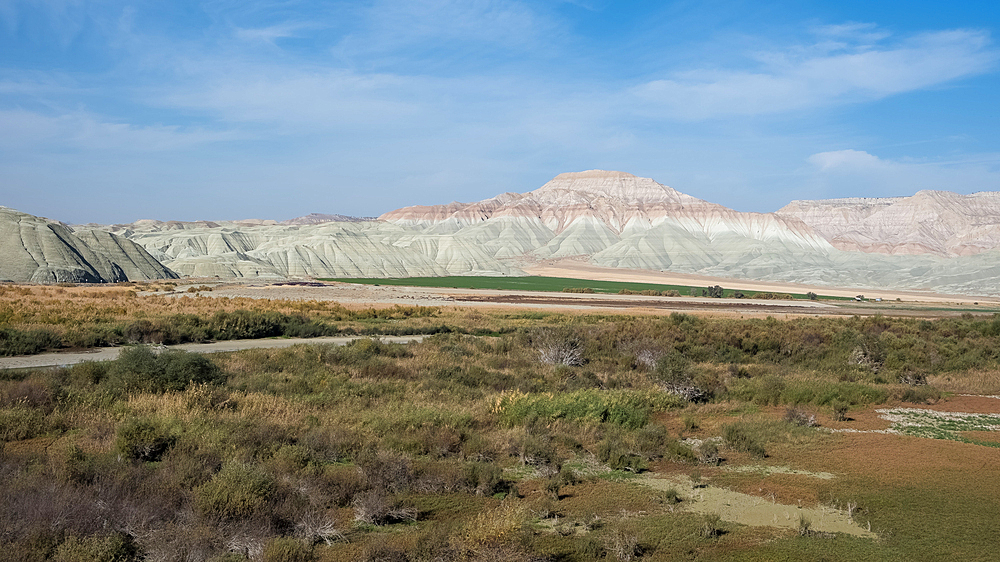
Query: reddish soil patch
[[968, 404], [982, 436], [902, 460], [861, 420]]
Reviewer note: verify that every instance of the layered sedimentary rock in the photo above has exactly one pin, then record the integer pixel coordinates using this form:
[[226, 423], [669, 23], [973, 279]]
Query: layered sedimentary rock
[[611, 219], [930, 222], [618, 220], [33, 249], [329, 249]]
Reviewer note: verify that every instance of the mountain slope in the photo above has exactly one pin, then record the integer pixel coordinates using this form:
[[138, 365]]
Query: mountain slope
[[930, 222], [33, 249], [611, 219]]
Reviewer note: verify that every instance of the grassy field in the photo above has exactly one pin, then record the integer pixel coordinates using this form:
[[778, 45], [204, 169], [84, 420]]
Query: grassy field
[[538, 283], [524, 436]]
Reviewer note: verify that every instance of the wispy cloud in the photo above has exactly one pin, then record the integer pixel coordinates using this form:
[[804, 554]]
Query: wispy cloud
[[423, 101], [82, 131], [800, 79], [400, 27], [272, 33], [869, 175]]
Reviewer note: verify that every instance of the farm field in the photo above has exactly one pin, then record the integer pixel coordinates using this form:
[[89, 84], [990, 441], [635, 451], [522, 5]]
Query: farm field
[[556, 284], [507, 434]]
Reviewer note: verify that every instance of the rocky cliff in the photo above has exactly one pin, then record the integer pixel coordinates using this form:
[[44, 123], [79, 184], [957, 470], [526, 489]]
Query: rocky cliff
[[33, 249], [930, 222]]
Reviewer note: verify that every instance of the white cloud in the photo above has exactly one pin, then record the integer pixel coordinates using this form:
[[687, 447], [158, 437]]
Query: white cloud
[[394, 25], [841, 159], [81, 131], [859, 173], [272, 33], [841, 73]]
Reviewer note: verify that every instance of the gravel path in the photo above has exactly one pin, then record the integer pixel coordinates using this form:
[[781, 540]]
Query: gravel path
[[60, 359]]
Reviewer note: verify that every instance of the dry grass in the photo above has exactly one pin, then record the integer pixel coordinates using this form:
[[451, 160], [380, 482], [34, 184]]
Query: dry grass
[[975, 381]]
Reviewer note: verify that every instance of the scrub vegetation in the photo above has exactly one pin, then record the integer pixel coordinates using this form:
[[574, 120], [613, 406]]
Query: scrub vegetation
[[505, 436]]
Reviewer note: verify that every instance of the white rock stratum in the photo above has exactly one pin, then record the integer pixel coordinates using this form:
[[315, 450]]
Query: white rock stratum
[[612, 219], [33, 249]]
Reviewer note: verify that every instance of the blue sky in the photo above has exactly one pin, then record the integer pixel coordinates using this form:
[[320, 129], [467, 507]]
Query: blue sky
[[114, 111]]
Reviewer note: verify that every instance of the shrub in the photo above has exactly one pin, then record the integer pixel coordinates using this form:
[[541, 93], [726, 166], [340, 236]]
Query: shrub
[[143, 440], [386, 470], [738, 438], [772, 296], [284, 549], [708, 453], [246, 324], [711, 526], [840, 409], [623, 544], [376, 507], [381, 552], [182, 368], [713, 291], [27, 342], [673, 371], [88, 372], [485, 478], [20, 422], [564, 477], [618, 452], [495, 527], [139, 369], [560, 349], [798, 416], [913, 378], [627, 408], [919, 394], [117, 547], [651, 441], [237, 491]]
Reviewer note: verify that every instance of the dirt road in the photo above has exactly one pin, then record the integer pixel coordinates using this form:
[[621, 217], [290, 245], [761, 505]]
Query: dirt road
[[110, 353]]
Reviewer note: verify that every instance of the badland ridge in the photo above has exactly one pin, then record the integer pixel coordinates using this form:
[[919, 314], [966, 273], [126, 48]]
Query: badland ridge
[[931, 240]]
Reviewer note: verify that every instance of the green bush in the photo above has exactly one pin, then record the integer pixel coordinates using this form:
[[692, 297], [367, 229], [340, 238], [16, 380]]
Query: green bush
[[21, 422], [246, 324], [236, 491], [27, 342], [485, 478], [117, 547], [919, 394], [143, 440], [618, 450], [772, 390], [285, 549], [139, 369], [88, 373], [627, 408], [738, 438]]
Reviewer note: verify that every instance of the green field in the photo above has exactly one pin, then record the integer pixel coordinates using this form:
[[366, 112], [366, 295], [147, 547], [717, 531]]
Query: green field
[[538, 283]]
